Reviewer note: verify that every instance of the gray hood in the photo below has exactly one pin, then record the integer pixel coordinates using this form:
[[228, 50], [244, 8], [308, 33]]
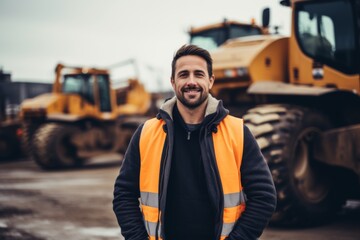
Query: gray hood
[[211, 107]]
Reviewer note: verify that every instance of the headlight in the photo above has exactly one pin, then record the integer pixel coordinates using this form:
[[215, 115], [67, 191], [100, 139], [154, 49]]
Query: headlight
[[243, 71], [236, 72]]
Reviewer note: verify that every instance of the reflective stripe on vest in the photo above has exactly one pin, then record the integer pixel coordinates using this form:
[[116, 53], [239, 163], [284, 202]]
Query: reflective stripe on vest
[[228, 147]]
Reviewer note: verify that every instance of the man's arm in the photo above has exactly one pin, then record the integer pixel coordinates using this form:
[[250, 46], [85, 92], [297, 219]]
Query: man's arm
[[127, 193], [259, 189]]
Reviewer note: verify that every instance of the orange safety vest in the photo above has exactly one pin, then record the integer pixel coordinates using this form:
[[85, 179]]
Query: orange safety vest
[[228, 147]]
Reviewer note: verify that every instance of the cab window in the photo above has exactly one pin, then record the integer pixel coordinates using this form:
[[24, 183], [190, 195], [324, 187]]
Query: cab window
[[326, 32]]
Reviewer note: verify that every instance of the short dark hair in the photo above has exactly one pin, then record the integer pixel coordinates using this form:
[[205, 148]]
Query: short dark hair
[[190, 49]]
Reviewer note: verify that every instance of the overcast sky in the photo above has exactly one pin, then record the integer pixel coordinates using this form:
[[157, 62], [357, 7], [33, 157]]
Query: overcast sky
[[37, 34]]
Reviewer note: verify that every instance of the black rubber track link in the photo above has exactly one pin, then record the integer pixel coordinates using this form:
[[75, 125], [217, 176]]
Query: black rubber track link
[[306, 191]]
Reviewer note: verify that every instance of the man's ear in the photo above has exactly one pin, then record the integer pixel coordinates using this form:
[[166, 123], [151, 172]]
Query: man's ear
[[172, 80], [212, 80]]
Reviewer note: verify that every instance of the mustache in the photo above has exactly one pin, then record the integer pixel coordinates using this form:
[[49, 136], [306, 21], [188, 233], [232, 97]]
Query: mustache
[[191, 88]]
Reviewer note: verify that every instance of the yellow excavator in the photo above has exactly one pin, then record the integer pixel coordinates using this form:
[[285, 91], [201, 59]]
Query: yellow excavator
[[84, 116], [300, 97]]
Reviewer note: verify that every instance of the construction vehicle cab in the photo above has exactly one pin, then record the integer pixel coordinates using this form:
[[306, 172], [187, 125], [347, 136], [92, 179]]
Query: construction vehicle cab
[[84, 84], [326, 36], [300, 97], [91, 85], [81, 118], [212, 36]]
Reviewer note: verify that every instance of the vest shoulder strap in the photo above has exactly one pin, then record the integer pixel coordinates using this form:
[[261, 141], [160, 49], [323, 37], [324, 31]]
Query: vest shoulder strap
[[228, 147], [151, 144]]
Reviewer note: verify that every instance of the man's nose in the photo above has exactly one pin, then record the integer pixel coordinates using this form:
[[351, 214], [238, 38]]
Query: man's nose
[[191, 80]]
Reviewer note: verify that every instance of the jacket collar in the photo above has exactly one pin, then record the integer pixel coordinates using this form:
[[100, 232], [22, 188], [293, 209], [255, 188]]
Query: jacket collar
[[214, 107]]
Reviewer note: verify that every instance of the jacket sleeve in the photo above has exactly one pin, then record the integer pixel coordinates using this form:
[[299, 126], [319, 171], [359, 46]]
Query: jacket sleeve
[[259, 189], [127, 193]]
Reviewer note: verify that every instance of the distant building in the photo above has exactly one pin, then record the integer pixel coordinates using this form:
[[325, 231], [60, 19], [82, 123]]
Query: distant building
[[13, 93], [4, 77]]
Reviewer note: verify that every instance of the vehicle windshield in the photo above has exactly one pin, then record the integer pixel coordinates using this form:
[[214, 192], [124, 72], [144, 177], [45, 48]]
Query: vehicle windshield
[[211, 39], [83, 84], [326, 31]]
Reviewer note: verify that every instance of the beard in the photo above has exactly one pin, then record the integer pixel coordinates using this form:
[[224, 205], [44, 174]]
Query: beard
[[192, 102]]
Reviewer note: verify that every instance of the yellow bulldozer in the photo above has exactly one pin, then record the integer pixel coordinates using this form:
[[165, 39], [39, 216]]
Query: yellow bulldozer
[[84, 116], [300, 97]]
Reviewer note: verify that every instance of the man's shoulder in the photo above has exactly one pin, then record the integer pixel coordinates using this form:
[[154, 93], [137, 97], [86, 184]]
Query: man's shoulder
[[233, 120], [153, 122], [151, 126]]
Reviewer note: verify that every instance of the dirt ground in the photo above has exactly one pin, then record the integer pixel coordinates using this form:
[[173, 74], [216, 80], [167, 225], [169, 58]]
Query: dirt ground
[[77, 204]]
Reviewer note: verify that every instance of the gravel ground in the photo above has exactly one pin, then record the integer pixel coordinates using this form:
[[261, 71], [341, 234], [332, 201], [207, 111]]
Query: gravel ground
[[76, 204]]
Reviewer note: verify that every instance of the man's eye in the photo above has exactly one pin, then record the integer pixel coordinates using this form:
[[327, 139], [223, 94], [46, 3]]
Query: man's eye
[[199, 74]]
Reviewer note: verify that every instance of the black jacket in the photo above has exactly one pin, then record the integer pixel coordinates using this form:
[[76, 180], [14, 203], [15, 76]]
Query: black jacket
[[256, 179]]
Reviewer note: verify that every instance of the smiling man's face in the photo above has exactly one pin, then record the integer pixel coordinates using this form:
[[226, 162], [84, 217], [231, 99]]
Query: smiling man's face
[[191, 81]]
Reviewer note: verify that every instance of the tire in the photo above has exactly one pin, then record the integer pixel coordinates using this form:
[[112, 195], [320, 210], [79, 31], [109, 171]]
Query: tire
[[28, 130], [53, 147], [305, 187]]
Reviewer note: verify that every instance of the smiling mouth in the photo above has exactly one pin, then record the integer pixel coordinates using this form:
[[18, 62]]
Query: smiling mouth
[[190, 90]]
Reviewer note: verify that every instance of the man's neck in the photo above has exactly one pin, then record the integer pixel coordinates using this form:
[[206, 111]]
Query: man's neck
[[192, 116]]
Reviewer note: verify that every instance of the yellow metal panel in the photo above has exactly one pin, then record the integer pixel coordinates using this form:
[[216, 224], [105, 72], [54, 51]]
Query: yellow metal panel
[[271, 62]]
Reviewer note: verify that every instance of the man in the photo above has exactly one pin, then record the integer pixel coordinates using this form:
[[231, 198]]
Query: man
[[197, 170]]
